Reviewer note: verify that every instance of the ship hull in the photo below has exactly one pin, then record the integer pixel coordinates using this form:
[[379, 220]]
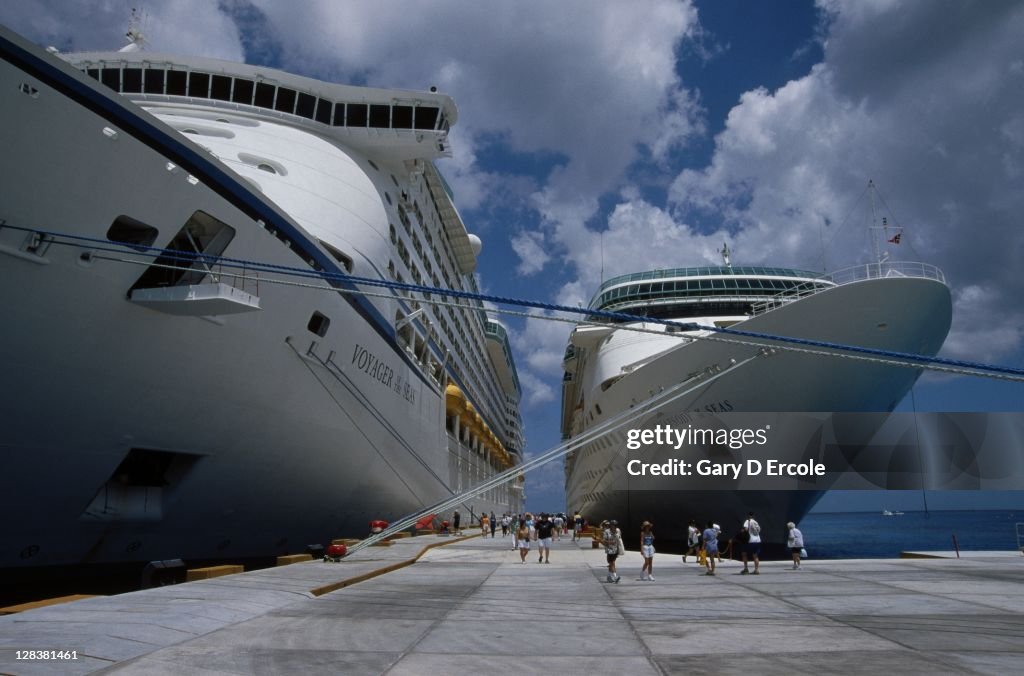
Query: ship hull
[[907, 315], [132, 433]]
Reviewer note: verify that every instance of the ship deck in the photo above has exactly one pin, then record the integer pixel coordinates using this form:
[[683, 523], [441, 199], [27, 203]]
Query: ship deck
[[472, 607]]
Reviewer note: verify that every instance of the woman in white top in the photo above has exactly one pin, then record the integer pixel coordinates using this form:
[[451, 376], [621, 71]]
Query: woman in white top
[[795, 542]]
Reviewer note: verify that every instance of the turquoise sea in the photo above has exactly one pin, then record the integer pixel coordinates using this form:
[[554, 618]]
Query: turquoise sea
[[872, 535]]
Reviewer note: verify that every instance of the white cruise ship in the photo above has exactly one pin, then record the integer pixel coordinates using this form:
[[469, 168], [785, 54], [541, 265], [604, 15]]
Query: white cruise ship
[[901, 307], [187, 370]]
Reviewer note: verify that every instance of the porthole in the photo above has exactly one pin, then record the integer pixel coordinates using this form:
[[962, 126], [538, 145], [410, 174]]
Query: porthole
[[318, 324]]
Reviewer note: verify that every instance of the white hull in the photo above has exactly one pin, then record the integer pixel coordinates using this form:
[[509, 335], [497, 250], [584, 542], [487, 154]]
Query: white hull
[[897, 314], [272, 449]]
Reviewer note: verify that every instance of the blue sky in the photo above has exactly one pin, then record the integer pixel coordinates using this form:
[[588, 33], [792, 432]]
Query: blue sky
[[654, 130]]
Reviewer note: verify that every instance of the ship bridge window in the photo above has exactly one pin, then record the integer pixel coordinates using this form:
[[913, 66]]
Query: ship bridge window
[[111, 77], [220, 88], [357, 115], [199, 85], [264, 95], [242, 93], [401, 117], [130, 231], [426, 117], [285, 101], [323, 111], [305, 105], [177, 82], [131, 80], [155, 80], [380, 116]]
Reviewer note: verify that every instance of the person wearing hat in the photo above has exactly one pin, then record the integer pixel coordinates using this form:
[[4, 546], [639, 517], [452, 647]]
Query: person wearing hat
[[795, 542]]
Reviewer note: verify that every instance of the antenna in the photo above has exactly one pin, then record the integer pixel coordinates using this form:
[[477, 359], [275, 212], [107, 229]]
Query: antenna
[[725, 255], [136, 39]]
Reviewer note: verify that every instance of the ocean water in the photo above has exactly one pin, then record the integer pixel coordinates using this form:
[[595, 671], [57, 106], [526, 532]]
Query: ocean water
[[872, 535]]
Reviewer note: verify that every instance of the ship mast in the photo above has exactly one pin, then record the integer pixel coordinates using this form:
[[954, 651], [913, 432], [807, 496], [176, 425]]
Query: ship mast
[[136, 39]]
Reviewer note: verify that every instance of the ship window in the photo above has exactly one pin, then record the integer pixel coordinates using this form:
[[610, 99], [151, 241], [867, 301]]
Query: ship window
[[401, 117], [387, 197], [426, 117], [373, 164], [132, 81], [305, 106], [339, 114], [177, 82], [380, 116], [130, 231], [94, 73], [264, 95], [356, 115], [285, 100], [111, 77], [718, 283], [220, 87], [199, 85], [318, 324], [242, 92], [323, 111], [155, 81], [201, 235]]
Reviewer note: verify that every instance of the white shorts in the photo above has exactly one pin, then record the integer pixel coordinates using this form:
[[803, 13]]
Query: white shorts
[[545, 542], [524, 544], [647, 551]]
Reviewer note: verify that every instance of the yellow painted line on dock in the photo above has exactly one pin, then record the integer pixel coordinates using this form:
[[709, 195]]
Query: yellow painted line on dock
[[348, 582], [213, 571], [32, 605]]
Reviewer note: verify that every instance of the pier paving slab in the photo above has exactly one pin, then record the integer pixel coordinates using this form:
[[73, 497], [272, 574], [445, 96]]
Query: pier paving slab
[[472, 607]]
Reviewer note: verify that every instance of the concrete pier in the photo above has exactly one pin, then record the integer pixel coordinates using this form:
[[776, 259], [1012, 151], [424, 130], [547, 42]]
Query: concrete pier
[[472, 607]]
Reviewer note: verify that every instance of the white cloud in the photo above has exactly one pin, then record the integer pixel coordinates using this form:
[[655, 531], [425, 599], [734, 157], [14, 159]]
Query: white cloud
[[529, 245]]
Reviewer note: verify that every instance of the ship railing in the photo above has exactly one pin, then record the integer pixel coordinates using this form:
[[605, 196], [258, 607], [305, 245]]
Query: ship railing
[[241, 278], [850, 275]]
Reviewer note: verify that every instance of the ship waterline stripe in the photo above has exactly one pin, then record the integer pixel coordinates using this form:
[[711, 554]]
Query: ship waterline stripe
[[87, 94]]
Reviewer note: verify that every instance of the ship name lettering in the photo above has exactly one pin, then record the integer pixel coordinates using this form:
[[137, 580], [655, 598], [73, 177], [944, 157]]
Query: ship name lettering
[[369, 363]]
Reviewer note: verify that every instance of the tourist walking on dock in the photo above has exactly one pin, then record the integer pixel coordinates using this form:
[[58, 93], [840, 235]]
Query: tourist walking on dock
[[455, 522], [523, 538], [577, 531], [544, 529], [692, 540], [752, 548], [710, 547], [647, 551], [485, 524], [795, 542], [611, 547], [494, 524]]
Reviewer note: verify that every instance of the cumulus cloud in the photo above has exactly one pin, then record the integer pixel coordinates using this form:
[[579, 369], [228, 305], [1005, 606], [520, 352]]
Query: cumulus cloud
[[924, 100]]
